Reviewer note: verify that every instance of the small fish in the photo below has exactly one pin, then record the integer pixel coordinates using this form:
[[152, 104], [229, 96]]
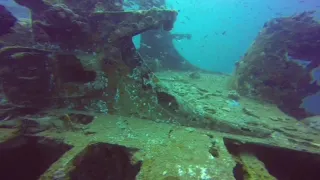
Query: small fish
[[29, 78], [158, 36], [145, 45]]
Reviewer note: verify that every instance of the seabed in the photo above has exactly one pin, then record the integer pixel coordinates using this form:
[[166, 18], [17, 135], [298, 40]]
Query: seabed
[[243, 139]]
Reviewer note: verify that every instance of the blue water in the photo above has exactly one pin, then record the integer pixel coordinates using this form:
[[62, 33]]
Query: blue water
[[240, 19]]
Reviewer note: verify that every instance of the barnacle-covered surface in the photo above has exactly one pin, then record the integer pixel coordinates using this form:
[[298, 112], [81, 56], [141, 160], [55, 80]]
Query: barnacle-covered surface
[[279, 66], [78, 95]]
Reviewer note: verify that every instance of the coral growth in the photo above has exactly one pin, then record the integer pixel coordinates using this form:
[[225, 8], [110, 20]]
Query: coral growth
[[277, 66]]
